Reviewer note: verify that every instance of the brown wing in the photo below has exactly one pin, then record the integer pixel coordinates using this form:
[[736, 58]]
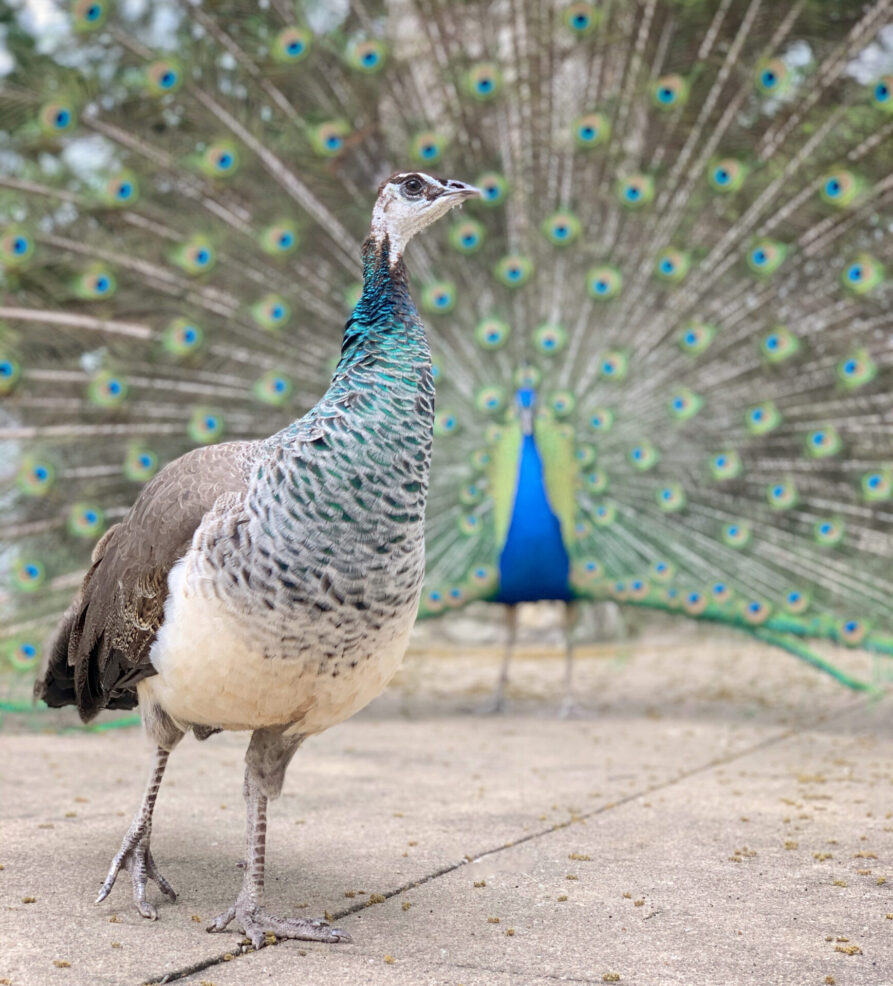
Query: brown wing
[[100, 649]]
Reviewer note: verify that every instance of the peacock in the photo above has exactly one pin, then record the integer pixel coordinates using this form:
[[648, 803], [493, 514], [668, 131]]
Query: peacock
[[533, 562], [661, 337]]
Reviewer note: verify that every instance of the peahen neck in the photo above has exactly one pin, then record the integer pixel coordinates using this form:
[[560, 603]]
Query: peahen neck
[[385, 366], [385, 329], [349, 480]]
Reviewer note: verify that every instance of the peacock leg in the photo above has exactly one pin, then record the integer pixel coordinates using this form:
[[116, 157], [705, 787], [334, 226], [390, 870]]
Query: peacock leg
[[568, 706], [496, 703], [269, 753], [134, 854]]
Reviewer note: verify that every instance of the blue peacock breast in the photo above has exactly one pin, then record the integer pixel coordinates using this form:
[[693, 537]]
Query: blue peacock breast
[[534, 563]]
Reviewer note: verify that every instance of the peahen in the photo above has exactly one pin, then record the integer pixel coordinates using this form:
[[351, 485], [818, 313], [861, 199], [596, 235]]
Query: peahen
[[680, 254], [271, 585]]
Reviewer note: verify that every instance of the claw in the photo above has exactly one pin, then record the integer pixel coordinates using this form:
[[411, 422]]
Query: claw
[[221, 921], [257, 925], [136, 858], [155, 874], [147, 910]]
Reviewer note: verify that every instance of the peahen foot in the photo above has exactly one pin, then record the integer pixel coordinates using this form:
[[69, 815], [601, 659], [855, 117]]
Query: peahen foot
[[268, 755], [134, 854], [257, 924], [136, 858]]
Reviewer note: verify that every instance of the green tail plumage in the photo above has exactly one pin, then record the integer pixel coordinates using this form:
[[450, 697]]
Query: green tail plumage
[[683, 249]]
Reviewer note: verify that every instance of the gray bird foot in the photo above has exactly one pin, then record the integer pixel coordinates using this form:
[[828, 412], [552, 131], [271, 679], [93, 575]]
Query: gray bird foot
[[494, 706], [569, 709], [136, 858], [257, 925]]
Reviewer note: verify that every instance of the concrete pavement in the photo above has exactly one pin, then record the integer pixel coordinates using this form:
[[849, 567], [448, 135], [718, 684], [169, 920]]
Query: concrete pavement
[[720, 814]]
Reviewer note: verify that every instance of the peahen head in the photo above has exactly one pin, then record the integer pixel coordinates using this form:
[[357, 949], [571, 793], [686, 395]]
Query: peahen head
[[409, 201]]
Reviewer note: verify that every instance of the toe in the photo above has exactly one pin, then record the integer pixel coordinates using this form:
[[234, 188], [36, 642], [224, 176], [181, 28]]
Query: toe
[[221, 921], [104, 891], [146, 909], [155, 875], [166, 888], [136, 859], [305, 929], [110, 878]]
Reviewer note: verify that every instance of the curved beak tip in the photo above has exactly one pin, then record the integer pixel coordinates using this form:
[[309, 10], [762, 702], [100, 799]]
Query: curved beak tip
[[461, 189]]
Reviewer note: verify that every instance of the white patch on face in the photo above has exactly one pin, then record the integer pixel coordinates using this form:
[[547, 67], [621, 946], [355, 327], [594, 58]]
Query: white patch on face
[[430, 179], [400, 217]]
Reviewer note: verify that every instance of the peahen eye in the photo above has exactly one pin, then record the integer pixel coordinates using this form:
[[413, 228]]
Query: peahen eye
[[413, 185]]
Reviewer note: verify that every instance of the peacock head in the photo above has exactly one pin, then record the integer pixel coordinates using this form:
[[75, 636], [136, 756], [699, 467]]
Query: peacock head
[[409, 201]]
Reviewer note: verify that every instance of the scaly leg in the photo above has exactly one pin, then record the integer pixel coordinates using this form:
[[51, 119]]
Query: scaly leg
[[269, 753], [496, 703], [134, 854], [568, 706]]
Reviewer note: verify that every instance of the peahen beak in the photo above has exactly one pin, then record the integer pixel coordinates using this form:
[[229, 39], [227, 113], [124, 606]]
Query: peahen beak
[[461, 192]]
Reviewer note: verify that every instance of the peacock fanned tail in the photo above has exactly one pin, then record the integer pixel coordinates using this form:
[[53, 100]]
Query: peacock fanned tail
[[682, 251]]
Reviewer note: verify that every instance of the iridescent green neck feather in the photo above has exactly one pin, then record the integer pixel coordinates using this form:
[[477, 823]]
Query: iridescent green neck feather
[[385, 321]]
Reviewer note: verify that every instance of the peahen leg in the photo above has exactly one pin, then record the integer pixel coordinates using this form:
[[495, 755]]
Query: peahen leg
[[496, 702], [268, 756], [134, 854], [568, 706]]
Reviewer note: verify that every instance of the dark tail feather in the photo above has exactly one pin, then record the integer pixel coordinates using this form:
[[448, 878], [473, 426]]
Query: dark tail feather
[[55, 685]]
